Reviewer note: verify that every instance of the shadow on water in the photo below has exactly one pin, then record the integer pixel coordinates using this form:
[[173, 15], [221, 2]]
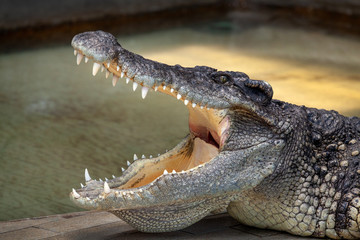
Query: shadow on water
[[57, 119]]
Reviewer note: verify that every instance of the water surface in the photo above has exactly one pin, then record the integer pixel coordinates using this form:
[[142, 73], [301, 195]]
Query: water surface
[[57, 119]]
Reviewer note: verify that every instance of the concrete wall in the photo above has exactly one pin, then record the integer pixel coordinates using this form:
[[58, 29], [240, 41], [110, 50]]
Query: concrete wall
[[29, 13], [23, 13], [28, 23]]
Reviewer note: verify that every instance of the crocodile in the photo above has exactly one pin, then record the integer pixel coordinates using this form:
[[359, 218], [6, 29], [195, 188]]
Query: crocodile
[[268, 163]]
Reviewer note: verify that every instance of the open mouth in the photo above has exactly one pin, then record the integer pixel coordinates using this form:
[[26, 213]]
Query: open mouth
[[208, 131]]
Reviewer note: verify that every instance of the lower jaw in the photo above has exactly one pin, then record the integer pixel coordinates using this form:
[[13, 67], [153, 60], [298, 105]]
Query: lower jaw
[[189, 154]]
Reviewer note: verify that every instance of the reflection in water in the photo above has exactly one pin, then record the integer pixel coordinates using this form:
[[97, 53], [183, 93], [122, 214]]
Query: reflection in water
[[56, 119]]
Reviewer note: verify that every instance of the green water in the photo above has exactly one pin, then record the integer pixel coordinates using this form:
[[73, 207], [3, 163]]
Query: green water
[[57, 119]]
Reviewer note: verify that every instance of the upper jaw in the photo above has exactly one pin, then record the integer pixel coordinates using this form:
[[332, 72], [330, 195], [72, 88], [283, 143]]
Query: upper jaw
[[198, 86], [190, 85]]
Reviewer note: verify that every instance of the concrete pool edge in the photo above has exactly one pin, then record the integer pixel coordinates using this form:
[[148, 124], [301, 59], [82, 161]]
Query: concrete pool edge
[[104, 225]]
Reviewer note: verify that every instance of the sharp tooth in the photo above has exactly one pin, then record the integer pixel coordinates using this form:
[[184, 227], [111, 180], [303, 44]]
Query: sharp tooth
[[106, 179], [87, 175], [135, 157], [79, 57], [178, 96], [113, 176], [100, 180], [172, 90], [108, 64], [158, 154], [173, 171], [165, 172], [102, 68], [150, 156], [107, 73], [144, 92], [86, 59], [193, 105], [106, 187], [127, 80], [122, 169], [143, 156], [82, 186], [115, 80], [164, 87], [75, 52], [135, 86], [117, 68], [182, 171], [76, 195], [140, 190], [96, 68], [156, 88], [87, 198], [122, 74], [186, 102], [128, 163], [201, 107]]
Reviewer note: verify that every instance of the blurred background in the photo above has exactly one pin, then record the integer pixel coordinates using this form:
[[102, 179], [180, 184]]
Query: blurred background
[[56, 119]]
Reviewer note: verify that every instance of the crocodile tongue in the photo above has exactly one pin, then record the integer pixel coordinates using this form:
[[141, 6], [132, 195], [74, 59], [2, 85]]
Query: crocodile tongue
[[202, 153]]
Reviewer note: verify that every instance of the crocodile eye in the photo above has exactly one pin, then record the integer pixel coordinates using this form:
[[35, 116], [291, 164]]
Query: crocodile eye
[[224, 79]]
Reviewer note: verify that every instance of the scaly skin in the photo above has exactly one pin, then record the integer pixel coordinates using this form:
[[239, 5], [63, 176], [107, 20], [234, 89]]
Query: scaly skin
[[270, 164]]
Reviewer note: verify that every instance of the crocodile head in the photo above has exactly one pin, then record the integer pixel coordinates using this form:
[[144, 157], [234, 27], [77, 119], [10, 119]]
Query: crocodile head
[[232, 143]]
